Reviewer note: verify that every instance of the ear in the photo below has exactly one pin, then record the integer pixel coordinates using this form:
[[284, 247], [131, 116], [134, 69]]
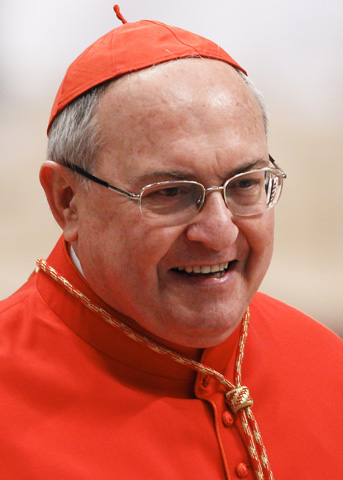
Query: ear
[[60, 186]]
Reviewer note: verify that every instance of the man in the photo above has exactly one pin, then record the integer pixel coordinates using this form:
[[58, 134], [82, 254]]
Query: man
[[127, 354]]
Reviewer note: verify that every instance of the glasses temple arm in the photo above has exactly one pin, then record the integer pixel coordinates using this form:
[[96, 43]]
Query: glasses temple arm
[[91, 177], [277, 166]]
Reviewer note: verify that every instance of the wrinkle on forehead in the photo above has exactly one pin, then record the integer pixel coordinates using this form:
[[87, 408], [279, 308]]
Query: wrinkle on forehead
[[142, 106]]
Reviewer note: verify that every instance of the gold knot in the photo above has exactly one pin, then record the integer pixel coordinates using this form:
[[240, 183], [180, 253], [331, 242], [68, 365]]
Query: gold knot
[[239, 398]]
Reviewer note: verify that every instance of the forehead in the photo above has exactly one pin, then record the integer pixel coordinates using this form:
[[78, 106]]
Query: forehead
[[175, 110], [181, 81]]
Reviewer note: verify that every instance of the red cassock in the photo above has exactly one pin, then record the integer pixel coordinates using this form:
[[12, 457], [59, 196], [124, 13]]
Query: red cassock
[[82, 401]]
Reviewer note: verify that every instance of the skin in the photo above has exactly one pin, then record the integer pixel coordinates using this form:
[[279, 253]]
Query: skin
[[198, 118]]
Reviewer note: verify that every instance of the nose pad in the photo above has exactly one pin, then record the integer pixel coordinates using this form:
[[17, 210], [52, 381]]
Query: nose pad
[[214, 224]]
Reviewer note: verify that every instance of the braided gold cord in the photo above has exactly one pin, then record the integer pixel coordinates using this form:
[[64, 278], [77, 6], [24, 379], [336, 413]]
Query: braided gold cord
[[237, 396], [241, 403]]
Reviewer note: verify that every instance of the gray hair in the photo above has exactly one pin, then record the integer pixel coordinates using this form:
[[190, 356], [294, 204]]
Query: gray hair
[[75, 135], [259, 98]]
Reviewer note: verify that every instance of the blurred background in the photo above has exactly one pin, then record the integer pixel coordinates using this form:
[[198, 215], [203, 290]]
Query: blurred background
[[293, 52]]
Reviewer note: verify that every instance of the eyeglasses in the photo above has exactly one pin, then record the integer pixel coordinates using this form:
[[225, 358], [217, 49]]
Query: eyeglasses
[[173, 203]]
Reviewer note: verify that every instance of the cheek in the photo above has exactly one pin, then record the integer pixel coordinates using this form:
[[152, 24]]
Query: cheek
[[148, 246], [265, 236], [125, 246], [260, 237]]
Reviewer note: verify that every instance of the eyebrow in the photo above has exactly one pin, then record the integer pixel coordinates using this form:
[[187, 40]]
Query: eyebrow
[[162, 175], [248, 166], [158, 175]]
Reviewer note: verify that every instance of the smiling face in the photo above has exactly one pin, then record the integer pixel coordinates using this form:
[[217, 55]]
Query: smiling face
[[188, 284]]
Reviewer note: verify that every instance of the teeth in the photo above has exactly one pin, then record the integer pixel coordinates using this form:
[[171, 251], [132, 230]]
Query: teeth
[[204, 268], [216, 268]]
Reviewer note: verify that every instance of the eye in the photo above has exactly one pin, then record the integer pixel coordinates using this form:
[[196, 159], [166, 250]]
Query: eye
[[171, 191], [246, 189], [174, 191], [245, 185], [171, 196]]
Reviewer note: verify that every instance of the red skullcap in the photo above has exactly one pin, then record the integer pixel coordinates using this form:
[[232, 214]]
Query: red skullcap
[[131, 47]]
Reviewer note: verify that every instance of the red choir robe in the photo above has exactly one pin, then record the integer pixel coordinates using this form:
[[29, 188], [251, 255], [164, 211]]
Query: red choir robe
[[82, 401]]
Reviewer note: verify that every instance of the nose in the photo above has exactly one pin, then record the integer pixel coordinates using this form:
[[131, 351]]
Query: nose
[[214, 225]]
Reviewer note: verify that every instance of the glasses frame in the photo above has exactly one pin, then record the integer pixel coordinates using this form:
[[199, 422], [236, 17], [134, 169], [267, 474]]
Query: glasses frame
[[138, 197]]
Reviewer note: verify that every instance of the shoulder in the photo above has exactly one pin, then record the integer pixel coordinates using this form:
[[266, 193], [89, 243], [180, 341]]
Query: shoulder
[[269, 311], [285, 329], [19, 299], [264, 305], [21, 313]]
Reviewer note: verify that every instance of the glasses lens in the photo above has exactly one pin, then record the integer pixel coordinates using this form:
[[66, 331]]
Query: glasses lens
[[273, 189], [253, 192], [171, 203]]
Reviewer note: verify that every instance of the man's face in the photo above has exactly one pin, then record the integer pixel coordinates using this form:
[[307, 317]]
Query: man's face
[[189, 119]]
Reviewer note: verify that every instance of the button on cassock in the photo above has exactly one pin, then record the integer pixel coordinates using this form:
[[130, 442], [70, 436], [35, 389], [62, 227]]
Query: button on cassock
[[228, 419], [207, 381], [242, 470]]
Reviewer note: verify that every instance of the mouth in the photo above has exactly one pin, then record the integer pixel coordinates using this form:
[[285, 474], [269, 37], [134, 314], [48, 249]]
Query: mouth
[[205, 271]]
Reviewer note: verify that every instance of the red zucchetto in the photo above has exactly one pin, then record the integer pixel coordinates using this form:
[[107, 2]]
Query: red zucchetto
[[131, 47]]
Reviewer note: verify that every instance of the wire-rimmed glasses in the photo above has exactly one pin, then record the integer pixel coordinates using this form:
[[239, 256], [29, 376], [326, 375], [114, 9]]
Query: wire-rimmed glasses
[[171, 203]]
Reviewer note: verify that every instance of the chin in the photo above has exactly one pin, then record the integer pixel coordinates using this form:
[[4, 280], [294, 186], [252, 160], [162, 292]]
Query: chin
[[198, 336]]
